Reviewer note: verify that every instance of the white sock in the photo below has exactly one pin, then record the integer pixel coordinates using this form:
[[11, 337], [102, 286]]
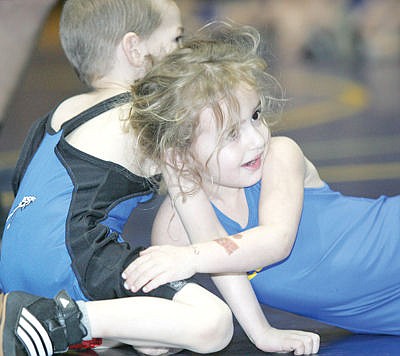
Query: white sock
[[85, 319]]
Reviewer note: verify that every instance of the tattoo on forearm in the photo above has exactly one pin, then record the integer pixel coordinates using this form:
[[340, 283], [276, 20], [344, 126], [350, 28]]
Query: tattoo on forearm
[[228, 244], [237, 236]]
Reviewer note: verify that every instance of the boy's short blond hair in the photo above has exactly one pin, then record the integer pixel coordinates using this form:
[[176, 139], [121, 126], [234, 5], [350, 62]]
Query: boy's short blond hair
[[90, 30]]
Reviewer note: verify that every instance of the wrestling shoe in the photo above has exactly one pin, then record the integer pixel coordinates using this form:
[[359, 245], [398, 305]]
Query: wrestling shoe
[[37, 326]]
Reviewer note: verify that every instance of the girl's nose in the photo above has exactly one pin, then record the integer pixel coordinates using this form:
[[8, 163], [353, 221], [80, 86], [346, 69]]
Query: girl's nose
[[256, 136]]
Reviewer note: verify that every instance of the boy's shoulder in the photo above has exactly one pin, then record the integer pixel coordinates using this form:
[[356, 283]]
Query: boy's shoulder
[[70, 108], [107, 136], [75, 105]]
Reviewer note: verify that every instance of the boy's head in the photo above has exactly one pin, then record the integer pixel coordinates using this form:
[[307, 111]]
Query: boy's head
[[91, 30], [207, 71]]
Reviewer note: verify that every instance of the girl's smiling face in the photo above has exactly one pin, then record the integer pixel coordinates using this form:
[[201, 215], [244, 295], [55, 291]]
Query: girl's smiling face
[[235, 158]]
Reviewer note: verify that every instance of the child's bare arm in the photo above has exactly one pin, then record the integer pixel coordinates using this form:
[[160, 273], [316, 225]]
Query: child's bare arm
[[268, 243], [280, 209], [239, 295]]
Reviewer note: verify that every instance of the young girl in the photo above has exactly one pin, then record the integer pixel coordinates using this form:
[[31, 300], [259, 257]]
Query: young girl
[[309, 250]]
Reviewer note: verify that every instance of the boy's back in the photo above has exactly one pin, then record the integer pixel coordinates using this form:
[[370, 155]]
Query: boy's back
[[107, 136], [78, 177], [70, 208]]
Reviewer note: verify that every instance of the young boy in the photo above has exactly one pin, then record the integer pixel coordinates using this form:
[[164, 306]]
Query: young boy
[[76, 183]]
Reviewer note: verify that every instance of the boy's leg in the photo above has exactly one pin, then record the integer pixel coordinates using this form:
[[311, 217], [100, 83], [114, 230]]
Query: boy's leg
[[195, 319]]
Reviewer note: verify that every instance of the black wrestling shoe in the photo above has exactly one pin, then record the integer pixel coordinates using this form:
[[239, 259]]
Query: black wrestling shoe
[[38, 326]]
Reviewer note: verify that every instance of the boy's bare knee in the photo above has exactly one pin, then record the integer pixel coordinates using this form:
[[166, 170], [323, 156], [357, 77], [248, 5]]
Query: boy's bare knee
[[211, 321], [216, 332], [222, 329]]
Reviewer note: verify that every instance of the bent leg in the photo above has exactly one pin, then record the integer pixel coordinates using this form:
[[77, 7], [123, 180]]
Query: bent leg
[[195, 320]]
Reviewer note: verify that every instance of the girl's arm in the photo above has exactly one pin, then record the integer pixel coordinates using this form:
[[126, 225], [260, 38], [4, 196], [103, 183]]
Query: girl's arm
[[280, 207], [239, 295], [279, 213]]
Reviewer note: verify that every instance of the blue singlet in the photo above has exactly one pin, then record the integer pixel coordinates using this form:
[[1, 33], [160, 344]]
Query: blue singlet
[[344, 268]]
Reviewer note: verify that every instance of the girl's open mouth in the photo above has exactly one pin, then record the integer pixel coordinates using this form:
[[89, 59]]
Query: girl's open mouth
[[253, 164]]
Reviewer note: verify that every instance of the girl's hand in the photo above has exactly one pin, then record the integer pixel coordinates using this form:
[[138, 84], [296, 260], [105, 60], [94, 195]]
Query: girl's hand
[[158, 265], [299, 342]]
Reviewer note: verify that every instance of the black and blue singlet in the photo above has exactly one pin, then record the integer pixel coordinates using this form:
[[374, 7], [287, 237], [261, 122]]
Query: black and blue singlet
[[64, 228]]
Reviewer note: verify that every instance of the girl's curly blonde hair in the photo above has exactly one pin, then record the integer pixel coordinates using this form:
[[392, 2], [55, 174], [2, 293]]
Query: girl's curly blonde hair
[[205, 70]]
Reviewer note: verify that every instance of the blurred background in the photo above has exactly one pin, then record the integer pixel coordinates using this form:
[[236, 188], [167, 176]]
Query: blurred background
[[337, 60]]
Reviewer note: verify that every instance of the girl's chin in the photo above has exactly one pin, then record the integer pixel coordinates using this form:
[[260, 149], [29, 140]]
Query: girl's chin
[[212, 185], [254, 178], [252, 182]]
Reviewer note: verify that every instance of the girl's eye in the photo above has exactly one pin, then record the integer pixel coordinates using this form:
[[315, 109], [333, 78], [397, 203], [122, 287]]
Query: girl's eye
[[256, 115]]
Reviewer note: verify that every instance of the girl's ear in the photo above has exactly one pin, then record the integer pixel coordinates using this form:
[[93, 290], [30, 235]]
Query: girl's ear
[[131, 46]]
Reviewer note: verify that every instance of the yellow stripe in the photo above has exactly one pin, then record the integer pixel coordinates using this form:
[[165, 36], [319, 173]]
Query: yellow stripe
[[252, 275]]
